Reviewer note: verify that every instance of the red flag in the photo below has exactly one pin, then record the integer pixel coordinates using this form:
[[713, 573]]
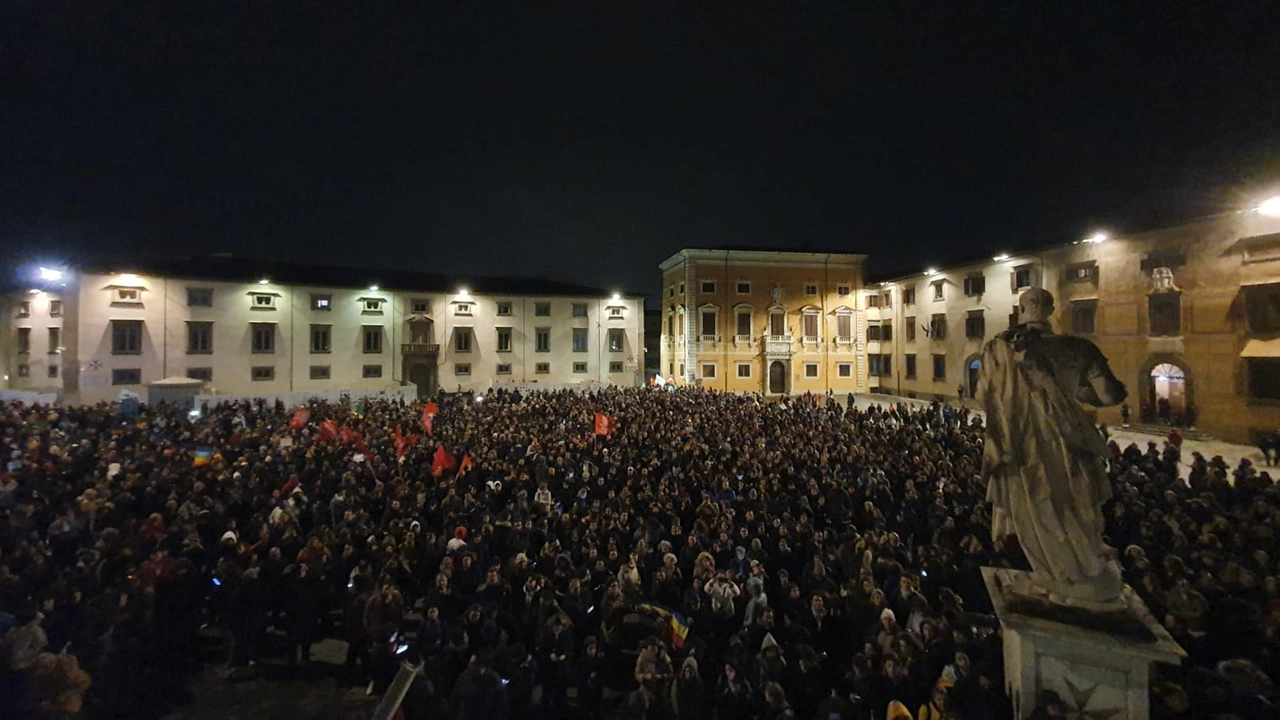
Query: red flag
[[347, 436], [443, 461], [301, 417], [604, 425], [430, 410], [328, 430], [402, 443], [465, 466]]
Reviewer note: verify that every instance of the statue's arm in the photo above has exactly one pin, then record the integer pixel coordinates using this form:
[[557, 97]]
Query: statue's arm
[[1101, 387]]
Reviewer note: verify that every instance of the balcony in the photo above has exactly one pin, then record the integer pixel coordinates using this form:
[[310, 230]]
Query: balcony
[[777, 344], [420, 349]]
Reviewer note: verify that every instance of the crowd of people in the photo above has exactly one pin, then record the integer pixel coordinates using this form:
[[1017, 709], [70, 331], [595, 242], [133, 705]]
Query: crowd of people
[[707, 556]]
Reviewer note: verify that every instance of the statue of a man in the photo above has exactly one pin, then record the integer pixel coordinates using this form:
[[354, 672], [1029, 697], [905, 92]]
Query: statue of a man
[[1045, 462]]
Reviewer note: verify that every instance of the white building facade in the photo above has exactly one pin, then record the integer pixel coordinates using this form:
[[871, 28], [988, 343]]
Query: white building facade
[[89, 335]]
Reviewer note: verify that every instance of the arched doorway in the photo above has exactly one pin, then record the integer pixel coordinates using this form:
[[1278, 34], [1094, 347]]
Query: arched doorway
[[1167, 398], [425, 377], [972, 371], [777, 377]]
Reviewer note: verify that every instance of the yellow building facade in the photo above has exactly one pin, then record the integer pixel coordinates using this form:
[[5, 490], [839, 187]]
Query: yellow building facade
[[775, 323]]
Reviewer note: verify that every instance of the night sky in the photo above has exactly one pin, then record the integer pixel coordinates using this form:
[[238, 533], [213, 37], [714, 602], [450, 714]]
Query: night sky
[[589, 145]]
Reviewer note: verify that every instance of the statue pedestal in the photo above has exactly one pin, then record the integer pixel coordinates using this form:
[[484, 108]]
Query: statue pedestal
[[1099, 664]]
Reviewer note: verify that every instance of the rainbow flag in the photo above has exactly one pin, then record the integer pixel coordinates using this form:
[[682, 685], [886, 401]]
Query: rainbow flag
[[677, 624], [204, 456]]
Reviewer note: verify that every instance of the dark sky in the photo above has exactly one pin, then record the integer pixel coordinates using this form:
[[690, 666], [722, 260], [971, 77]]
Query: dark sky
[[590, 144]]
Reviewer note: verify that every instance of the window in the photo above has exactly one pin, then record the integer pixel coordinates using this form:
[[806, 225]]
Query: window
[[671, 325], [886, 330], [462, 340], [886, 299], [743, 328], [843, 289], [462, 308], [1264, 378], [743, 287], [1165, 314], [542, 340], [420, 305], [707, 326], [199, 338], [24, 340], [504, 309], [542, 368], [373, 339], [975, 285], [200, 373], [319, 372], [810, 327], [1084, 272], [1084, 316], [199, 297], [939, 367], [126, 337], [55, 308], [373, 305], [130, 296], [938, 292], [616, 311], [744, 370], [1262, 307], [504, 368], [975, 325], [615, 366], [579, 367], [844, 370], [504, 339], [321, 337], [461, 369], [682, 290], [579, 339], [264, 337], [1021, 277], [873, 332], [844, 326], [873, 300], [777, 324], [811, 370], [879, 365], [617, 340], [24, 370], [707, 287], [55, 340], [579, 309], [24, 308], [910, 329], [263, 373], [262, 301], [322, 303], [671, 291], [126, 376], [909, 369], [542, 309], [909, 296], [938, 326], [810, 289], [1013, 317], [709, 370], [371, 371]]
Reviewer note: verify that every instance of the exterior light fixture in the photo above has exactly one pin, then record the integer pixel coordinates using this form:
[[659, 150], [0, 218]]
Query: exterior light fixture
[[50, 274], [1001, 257], [462, 291], [930, 272], [1269, 207], [373, 288], [1096, 238], [617, 296], [264, 281]]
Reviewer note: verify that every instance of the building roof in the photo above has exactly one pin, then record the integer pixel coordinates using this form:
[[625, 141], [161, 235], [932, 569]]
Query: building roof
[[228, 268]]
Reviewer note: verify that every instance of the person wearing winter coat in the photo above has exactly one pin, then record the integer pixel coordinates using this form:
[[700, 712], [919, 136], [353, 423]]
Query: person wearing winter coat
[[688, 696], [734, 698]]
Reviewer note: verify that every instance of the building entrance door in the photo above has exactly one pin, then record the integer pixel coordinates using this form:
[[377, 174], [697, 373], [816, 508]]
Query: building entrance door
[[777, 377], [974, 370], [1169, 393], [424, 377]]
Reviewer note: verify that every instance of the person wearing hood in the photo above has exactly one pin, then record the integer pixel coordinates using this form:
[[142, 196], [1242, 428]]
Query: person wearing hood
[[688, 696], [735, 699]]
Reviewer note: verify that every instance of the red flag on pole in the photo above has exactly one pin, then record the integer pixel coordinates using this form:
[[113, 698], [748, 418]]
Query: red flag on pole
[[346, 436], [442, 462], [465, 466], [604, 425], [328, 430], [428, 415], [402, 443], [301, 417]]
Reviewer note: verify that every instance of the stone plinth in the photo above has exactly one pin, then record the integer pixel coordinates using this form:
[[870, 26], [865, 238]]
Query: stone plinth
[[1099, 664]]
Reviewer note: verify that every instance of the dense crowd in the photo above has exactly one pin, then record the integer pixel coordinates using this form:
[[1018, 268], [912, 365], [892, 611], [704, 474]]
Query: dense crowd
[[710, 556]]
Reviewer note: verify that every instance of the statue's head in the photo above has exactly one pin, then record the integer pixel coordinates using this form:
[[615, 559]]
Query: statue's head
[[1035, 305]]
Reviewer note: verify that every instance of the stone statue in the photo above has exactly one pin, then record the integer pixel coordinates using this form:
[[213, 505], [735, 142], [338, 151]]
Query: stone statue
[[1045, 462], [777, 295], [1162, 281]]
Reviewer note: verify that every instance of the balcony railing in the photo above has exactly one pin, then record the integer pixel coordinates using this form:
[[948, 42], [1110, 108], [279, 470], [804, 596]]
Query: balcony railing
[[420, 349]]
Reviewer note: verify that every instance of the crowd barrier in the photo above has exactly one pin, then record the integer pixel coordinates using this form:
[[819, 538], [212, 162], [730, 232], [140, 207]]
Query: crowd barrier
[[407, 393], [29, 397]]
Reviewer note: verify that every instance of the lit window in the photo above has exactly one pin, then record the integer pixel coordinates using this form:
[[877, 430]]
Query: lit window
[[24, 370], [617, 338], [321, 302]]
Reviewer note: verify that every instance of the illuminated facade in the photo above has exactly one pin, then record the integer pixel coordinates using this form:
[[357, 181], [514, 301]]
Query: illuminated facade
[[259, 328]]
